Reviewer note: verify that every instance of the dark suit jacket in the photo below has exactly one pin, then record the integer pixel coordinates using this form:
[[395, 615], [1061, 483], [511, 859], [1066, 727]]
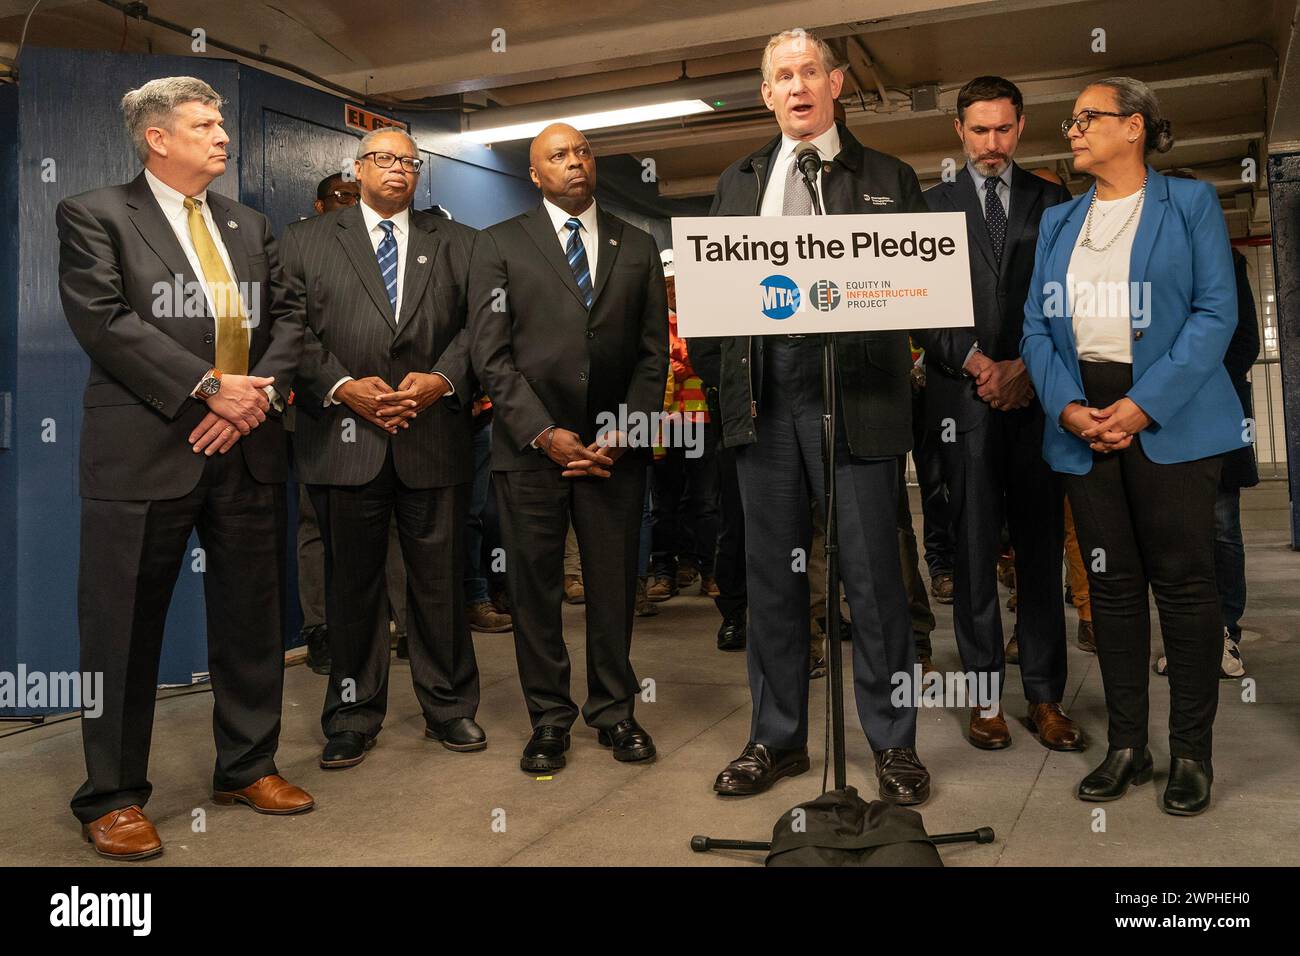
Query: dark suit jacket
[[542, 357], [874, 367], [118, 263], [1239, 468], [334, 281], [998, 292]]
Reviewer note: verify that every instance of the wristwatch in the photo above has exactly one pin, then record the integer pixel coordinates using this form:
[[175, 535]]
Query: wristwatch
[[211, 383]]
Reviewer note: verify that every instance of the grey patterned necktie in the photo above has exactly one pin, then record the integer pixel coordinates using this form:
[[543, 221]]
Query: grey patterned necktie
[[797, 200]]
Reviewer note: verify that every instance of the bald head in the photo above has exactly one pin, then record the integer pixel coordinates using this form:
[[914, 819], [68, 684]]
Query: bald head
[[562, 167]]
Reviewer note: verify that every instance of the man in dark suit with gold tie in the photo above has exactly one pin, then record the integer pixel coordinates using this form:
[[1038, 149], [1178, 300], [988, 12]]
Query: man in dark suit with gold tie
[[176, 295]]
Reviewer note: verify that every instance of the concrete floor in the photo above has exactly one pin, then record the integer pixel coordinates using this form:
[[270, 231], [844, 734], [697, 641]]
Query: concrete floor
[[412, 802]]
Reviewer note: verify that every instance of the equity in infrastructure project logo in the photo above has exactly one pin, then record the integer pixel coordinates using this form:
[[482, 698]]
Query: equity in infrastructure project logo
[[779, 297], [825, 295]]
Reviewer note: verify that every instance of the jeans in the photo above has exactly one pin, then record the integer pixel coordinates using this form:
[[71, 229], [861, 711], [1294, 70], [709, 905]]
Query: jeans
[[1230, 559]]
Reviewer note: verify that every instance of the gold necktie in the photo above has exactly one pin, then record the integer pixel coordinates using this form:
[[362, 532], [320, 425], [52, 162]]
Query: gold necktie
[[232, 333]]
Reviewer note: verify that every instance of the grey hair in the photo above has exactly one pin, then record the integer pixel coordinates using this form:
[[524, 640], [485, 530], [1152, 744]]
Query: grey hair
[[368, 140], [1134, 96], [798, 33], [154, 104]]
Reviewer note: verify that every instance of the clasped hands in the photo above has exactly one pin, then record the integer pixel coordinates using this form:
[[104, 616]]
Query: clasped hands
[[238, 407], [567, 450], [1004, 385], [1106, 429]]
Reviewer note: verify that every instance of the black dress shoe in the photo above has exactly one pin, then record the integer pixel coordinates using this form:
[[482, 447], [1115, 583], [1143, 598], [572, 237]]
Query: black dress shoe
[[545, 749], [1188, 790], [460, 734], [903, 779], [1111, 780], [629, 740], [317, 639], [731, 635], [345, 749], [757, 768]]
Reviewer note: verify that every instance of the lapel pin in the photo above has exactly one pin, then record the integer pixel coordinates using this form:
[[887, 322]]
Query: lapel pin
[[422, 259], [613, 242], [232, 224]]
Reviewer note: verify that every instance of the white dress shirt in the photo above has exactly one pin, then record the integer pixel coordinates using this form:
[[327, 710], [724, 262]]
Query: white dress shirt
[[401, 232], [1097, 284], [828, 146], [590, 233], [172, 204]]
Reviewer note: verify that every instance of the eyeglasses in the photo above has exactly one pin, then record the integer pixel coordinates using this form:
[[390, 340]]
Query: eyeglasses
[[1084, 120], [346, 198], [384, 160]]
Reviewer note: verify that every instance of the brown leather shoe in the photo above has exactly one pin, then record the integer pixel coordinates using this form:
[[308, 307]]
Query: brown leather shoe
[[1055, 730], [271, 794], [1012, 653], [1087, 637], [709, 586], [124, 834], [575, 591], [927, 665], [989, 733], [486, 619], [661, 588], [941, 587]]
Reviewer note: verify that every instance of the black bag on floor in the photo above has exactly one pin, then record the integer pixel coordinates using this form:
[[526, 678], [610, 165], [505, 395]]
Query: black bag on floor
[[839, 828]]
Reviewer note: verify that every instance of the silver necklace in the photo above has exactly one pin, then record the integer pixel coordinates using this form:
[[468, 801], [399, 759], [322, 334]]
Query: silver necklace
[[1087, 225]]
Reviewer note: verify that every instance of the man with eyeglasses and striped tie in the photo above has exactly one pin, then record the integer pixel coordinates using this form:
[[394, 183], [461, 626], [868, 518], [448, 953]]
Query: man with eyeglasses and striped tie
[[570, 334], [384, 395], [177, 296]]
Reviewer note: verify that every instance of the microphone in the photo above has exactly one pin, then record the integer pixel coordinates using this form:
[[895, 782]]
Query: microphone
[[809, 161]]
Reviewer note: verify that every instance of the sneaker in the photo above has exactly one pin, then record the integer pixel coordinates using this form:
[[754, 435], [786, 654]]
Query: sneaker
[[643, 607], [661, 588], [1232, 666], [941, 587], [486, 619], [574, 590]]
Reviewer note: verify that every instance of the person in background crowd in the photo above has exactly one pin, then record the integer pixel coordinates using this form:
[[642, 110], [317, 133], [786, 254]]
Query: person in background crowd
[[978, 391], [1140, 410], [333, 192], [685, 479], [483, 615]]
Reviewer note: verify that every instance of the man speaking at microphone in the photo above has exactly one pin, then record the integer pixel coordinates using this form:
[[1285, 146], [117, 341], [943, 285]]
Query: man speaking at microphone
[[771, 398]]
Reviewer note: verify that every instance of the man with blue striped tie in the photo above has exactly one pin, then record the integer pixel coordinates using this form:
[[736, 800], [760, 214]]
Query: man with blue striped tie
[[569, 329], [383, 393]]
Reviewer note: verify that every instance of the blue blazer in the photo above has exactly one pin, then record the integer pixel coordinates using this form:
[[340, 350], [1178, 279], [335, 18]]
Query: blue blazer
[[1182, 250]]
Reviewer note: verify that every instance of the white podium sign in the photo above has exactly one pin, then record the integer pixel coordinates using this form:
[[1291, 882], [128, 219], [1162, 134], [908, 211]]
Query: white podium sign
[[771, 275]]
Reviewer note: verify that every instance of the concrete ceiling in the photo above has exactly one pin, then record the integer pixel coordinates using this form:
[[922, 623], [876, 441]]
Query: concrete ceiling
[[1220, 67]]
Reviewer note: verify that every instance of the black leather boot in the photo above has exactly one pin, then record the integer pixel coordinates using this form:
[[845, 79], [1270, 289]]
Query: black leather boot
[[1112, 778]]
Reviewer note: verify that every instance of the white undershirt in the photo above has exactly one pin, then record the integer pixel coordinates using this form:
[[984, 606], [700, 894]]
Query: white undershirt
[[1097, 284]]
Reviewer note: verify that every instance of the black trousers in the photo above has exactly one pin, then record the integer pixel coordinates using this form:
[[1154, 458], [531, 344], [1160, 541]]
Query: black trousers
[[536, 508], [131, 553], [354, 523], [1145, 525], [937, 522], [778, 475], [996, 471], [729, 564], [685, 496]]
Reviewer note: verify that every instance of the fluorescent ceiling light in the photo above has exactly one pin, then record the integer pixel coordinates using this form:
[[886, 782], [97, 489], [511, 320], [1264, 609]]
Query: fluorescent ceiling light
[[588, 121]]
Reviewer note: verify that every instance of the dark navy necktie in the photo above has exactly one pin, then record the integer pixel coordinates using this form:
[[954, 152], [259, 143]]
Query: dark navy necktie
[[996, 217], [387, 255], [576, 253]]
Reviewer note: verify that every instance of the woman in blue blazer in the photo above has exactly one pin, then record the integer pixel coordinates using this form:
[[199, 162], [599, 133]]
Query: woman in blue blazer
[[1129, 314]]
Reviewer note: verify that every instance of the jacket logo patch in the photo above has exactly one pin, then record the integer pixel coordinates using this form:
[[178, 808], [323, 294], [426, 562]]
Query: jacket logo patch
[[878, 200]]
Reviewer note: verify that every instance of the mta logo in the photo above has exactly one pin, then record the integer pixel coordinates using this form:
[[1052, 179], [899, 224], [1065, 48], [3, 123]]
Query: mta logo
[[825, 295], [780, 297]]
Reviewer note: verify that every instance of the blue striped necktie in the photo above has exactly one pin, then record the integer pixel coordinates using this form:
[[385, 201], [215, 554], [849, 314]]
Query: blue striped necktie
[[576, 253], [387, 254]]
